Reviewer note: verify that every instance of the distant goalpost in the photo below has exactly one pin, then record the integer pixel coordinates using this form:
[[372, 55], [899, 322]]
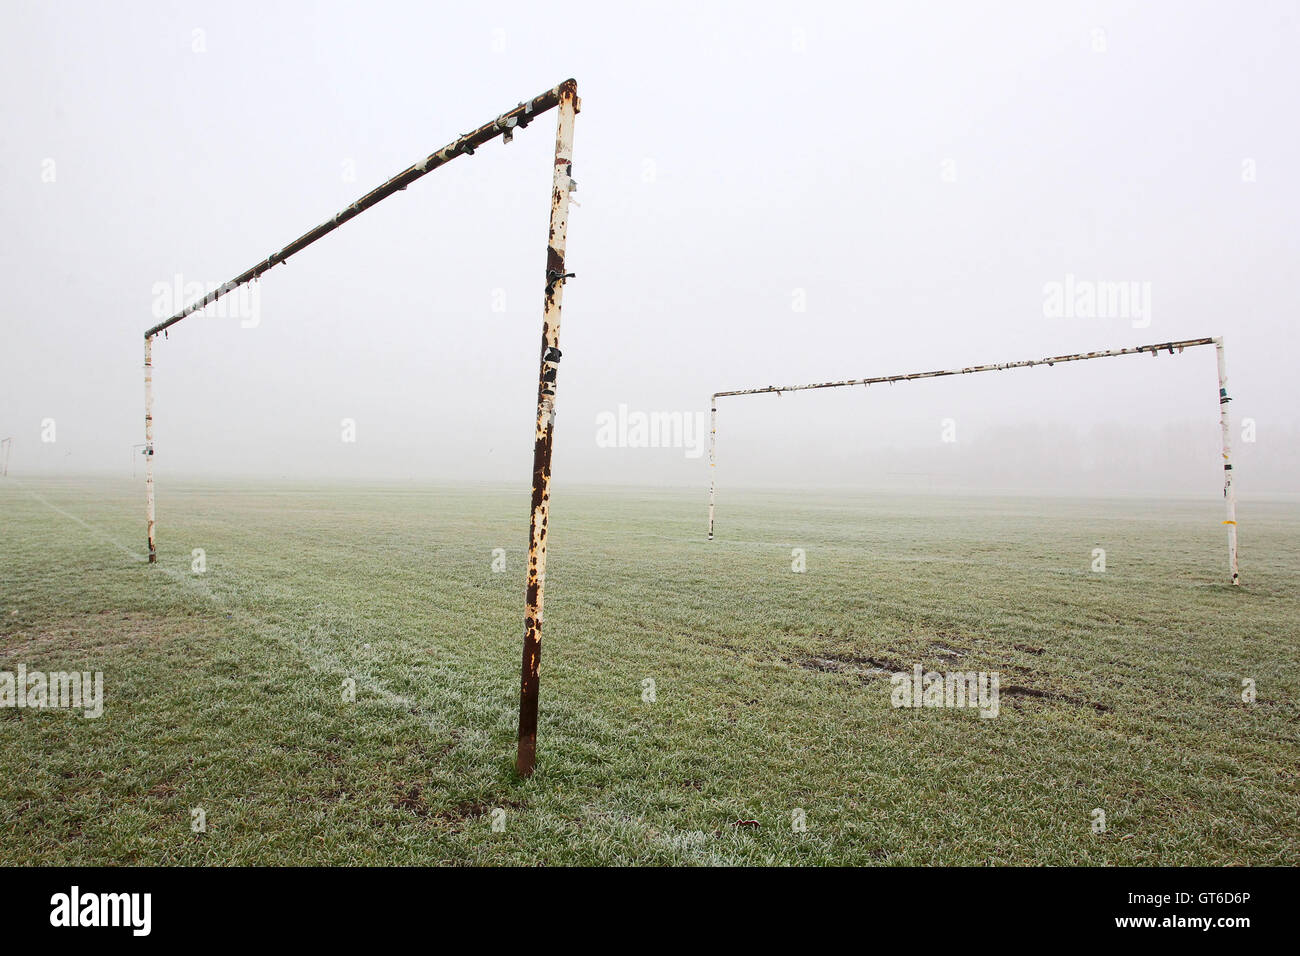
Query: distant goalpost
[[1170, 347], [563, 98]]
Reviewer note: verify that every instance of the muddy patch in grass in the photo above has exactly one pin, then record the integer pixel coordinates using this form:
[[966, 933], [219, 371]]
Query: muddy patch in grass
[[859, 666], [411, 799], [1019, 690], [470, 810], [948, 646]]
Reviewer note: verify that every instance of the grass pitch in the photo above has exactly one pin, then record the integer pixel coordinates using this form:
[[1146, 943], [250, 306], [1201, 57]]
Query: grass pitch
[[1121, 691]]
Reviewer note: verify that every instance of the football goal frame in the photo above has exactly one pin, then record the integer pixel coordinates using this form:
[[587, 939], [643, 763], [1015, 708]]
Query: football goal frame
[[1172, 348], [563, 99]]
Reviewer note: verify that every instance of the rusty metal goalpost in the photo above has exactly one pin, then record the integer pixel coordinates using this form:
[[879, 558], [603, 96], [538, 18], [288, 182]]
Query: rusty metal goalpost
[[564, 99], [1229, 495]]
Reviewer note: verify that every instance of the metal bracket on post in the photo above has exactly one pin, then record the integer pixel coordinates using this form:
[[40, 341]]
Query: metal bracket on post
[[506, 124], [526, 758]]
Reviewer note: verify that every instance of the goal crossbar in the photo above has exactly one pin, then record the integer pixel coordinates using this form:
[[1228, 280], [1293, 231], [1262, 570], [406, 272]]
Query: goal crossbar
[[563, 98], [1154, 350], [503, 125]]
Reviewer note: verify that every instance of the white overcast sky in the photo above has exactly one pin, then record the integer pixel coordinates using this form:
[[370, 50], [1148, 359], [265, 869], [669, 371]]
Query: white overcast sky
[[913, 173]]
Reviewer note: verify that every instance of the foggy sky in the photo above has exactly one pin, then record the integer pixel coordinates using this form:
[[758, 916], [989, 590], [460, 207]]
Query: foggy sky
[[769, 194]]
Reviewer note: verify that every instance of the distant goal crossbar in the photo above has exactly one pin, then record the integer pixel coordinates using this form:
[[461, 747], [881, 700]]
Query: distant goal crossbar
[[1171, 348]]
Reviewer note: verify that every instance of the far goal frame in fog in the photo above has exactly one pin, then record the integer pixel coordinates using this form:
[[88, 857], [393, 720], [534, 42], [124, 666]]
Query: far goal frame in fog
[[563, 99], [1172, 348]]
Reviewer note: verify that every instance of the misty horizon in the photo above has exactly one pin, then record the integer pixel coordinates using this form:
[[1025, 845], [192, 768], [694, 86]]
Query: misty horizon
[[714, 248]]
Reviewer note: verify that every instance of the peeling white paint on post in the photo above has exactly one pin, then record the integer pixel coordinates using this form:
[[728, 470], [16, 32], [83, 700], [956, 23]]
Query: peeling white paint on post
[[562, 185], [1229, 495], [713, 457], [148, 443], [7, 444], [1153, 350]]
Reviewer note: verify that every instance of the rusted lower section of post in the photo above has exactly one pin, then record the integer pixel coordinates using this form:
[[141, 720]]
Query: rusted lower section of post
[[543, 435], [148, 443], [1229, 495], [713, 457]]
